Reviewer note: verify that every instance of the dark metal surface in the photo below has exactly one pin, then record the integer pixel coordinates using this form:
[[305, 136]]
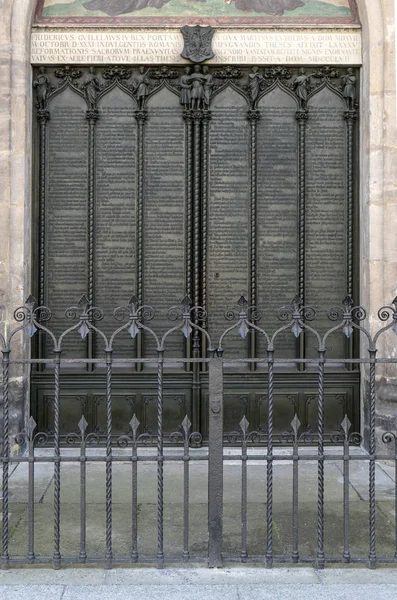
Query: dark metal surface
[[197, 43], [200, 180], [133, 319]]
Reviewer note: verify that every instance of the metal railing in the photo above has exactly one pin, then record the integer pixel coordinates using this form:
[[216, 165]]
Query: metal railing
[[186, 319]]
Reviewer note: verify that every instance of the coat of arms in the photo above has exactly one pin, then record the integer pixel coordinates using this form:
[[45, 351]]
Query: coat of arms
[[197, 43]]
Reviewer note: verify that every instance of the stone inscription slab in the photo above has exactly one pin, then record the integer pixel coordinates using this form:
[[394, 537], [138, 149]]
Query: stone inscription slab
[[277, 210], [115, 226], [262, 46], [164, 214], [326, 210], [228, 214], [66, 222]]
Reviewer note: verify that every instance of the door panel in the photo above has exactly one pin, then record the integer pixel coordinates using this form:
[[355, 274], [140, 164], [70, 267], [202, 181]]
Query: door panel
[[251, 191]]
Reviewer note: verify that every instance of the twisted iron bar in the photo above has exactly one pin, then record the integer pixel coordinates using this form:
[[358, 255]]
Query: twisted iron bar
[[42, 116], [189, 200], [109, 552], [160, 458], [6, 453], [57, 464], [320, 502], [269, 480], [372, 449], [141, 121]]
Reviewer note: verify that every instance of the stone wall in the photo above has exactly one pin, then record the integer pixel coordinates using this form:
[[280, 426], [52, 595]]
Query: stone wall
[[378, 251]]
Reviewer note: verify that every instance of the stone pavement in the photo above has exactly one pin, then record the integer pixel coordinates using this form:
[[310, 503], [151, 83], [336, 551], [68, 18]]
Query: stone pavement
[[173, 508], [199, 584]]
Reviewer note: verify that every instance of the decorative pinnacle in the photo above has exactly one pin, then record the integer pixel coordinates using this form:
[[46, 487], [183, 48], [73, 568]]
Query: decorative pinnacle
[[296, 301], [186, 424], [295, 424], [134, 302], [134, 424], [31, 427], [346, 426], [83, 425], [348, 301], [31, 303], [243, 303], [84, 303], [186, 303], [244, 424]]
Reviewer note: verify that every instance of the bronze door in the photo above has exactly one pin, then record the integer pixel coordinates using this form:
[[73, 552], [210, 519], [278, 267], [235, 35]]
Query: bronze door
[[214, 183]]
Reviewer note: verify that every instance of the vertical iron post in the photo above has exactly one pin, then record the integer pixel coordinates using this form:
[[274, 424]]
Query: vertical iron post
[[269, 474], [186, 458], [134, 424], [83, 487], [244, 424], [295, 489], [160, 461], [109, 551], [346, 506], [215, 462], [6, 455], [320, 458], [31, 428], [372, 458], [57, 463]]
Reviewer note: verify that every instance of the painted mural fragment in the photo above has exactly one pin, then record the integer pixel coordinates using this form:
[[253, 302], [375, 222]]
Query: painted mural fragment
[[179, 12]]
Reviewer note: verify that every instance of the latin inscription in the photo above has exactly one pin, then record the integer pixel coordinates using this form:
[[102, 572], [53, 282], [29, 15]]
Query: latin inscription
[[264, 46], [66, 223], [164, 213], [228, 214], [115, 226], [326, 212], [277, 210]]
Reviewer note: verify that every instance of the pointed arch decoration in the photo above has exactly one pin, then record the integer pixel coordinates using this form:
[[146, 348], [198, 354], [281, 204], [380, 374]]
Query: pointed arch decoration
[[19, 15]]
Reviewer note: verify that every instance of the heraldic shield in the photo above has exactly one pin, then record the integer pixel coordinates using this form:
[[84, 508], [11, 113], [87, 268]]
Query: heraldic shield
[[198, 42]]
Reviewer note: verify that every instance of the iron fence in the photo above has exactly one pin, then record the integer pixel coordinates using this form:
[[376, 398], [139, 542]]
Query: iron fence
[[187, 321]]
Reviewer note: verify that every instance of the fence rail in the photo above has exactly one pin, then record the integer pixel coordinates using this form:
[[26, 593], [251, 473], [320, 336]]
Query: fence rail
[[139, 448]]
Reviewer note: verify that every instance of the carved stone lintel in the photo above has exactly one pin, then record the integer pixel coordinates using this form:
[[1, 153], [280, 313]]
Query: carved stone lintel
[[253, 115], [302, 115], [140, 115], [43, 116], [92, 115]]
